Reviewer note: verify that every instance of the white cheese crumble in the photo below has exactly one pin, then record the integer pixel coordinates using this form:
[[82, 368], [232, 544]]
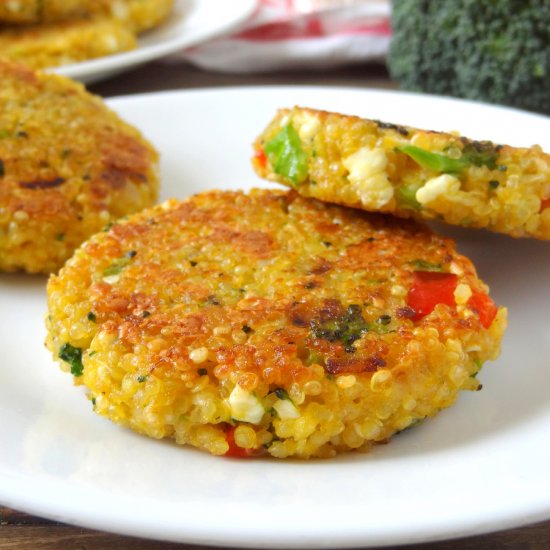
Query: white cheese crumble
[[245, 406], [308, 125], [462, 293], [366, 169], [286, 409], [435, 187]]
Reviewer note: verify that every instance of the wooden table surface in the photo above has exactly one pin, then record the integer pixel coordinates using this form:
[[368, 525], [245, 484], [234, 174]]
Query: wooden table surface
[[24, 532]]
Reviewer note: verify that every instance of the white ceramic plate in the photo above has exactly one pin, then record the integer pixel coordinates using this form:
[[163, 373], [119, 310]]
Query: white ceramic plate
[[192, 22], [480, 466]]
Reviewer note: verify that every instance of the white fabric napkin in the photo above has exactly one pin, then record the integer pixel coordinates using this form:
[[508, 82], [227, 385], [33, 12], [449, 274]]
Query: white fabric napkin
[[284, 34]]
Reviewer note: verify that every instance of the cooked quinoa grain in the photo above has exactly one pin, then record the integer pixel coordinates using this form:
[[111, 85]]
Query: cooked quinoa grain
[[68, 167], [408, 172], [266, 323]]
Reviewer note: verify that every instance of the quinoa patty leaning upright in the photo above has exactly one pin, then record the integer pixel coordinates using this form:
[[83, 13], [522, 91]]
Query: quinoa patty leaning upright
[[68, 167], [408, 172], [270, 323]]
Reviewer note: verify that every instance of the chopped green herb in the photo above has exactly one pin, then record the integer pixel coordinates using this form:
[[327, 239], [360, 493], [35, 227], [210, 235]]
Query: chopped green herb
[[93, 401], [142, 378], [423, 265], [478, 363], [2, 169], [328, 244], [193, 263], [73, 356], [246, 329], [202, 372], [286, 155], [475, 153], [434, 161], [118, 265], [493, 184], [281, 393], [405, 195], [145, 314], [91, 353], [92, 317]]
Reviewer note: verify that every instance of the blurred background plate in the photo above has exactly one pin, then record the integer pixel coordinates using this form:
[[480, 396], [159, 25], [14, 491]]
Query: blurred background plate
[[192, 22]]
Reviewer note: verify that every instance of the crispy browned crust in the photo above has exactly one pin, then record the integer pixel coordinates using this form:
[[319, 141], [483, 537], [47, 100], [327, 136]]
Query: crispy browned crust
[[69, 166], [262, 286]]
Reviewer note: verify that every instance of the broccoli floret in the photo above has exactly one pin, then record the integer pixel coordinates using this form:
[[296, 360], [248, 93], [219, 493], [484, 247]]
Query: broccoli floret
[[495, 51]]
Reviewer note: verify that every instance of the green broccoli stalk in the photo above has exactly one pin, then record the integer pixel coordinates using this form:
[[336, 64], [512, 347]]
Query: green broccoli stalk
[[494, 51]]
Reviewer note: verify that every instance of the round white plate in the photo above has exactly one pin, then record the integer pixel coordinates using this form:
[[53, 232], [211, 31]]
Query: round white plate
[[477, 467], [191, 22]]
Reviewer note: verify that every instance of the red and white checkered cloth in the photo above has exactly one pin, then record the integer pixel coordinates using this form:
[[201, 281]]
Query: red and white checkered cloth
[[285, 34]]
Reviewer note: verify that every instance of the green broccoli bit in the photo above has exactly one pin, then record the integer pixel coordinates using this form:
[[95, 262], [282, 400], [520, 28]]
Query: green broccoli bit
[[73, 356], [286, 155], [347, 328], [481, 153]]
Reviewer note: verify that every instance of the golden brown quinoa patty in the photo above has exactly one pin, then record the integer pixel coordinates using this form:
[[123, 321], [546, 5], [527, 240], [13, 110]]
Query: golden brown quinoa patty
[[64, 32], [55, 44], [408, 172], [246, 324], [68, 167], [139, 14]]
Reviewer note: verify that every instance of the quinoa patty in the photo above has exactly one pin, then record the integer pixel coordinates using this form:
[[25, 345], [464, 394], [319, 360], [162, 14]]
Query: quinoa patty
[[68, 167], [408, 172], [269, 323], [139, 14], [63, 32], [55, 44]]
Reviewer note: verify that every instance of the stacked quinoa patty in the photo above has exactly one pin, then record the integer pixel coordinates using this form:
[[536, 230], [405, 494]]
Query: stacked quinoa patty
[[247, 324], [68, 167], [408, 172]]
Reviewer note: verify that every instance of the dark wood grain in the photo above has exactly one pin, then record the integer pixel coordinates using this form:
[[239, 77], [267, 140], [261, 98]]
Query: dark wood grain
[[23, 532], [159, 76]]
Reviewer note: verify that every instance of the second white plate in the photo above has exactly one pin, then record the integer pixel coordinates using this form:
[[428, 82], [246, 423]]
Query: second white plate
[[192, 22]]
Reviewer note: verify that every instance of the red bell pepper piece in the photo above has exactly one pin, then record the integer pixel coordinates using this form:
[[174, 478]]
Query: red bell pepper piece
[[260, 157], [430, 288], [234, 450], [484, 306]]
